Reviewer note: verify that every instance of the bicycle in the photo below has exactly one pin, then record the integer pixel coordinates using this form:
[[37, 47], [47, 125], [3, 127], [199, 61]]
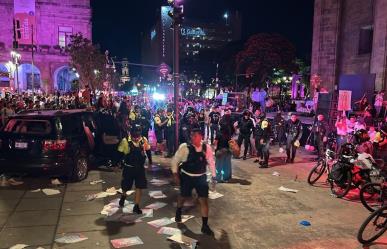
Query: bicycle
[[323, 165], [373, 227], [374, 195]]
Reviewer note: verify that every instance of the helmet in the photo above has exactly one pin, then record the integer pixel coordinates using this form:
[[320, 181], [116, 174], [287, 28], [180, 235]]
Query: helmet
[[361, 136], [135, 131]]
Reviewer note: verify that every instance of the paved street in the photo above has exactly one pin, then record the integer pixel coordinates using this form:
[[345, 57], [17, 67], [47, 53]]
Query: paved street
[[252, 214]]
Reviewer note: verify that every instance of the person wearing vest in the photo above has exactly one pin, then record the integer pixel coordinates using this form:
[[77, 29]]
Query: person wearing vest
[[170, 133], [293, 136], [135, 149], [191, 161], [159, 123]]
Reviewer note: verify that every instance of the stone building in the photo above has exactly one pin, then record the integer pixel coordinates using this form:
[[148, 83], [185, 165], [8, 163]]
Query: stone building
[[53, 23], [349, 44]]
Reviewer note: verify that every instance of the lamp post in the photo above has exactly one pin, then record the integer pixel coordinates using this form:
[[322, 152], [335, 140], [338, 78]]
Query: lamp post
[[226, 16], [15, 60], [177, 16]]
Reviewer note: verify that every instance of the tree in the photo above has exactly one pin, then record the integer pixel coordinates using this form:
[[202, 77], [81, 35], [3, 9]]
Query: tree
[[264, 52], [89, 62]]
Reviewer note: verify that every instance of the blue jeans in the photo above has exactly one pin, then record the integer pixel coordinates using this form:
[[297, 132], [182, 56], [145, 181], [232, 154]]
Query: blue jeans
[[223, 166]]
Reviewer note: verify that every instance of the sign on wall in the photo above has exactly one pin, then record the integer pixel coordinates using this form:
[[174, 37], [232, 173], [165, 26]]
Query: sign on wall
[[344, 100], [24, 15]]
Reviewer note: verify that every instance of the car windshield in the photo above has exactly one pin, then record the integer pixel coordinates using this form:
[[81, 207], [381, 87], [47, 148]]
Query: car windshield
[[26, 126]]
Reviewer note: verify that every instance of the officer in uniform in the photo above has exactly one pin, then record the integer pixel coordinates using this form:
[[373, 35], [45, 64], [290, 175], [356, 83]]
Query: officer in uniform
[[293, 136], [189, 167], [246, 127], [264, 136], [320, 131], [145, 122], [159, 123], [279, 128], [170, 132], [135, 149]]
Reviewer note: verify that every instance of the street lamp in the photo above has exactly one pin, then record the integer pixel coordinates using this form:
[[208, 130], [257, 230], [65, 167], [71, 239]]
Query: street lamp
[[226, 16], [15, 60]]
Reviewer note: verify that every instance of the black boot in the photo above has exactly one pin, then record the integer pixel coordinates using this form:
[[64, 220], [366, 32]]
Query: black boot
[[178, 215], [122, 201], [136, 209], [207, 230]]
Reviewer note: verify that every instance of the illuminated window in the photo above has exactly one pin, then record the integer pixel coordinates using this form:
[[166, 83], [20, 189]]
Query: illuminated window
[[64, 34]]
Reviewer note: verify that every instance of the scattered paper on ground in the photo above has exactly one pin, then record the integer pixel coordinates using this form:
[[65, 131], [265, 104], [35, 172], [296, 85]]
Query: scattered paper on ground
[[70, 238], [128, 209], [156, 205], [111, 190], [214, 195], [19, 246], [160, 222], [158, 182], [97, 181], [169, 231], [109, 209], [125, 218], [125, 242], [275, 173], [157, 194], [129, 192], [282, 188], [147, 213], [182, 239], [14, 182], [49, 191], [36, 190], [184, 218], [56, 182]]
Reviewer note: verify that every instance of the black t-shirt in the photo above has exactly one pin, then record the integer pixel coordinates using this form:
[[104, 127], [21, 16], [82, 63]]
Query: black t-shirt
[[222, 141], [214, 117]]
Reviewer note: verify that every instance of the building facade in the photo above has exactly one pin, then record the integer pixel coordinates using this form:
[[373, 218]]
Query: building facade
[[196, 38], [46, 26], [349, 44]]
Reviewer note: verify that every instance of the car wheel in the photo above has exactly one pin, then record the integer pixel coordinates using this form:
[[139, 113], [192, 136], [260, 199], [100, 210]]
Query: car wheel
[[81, 168]]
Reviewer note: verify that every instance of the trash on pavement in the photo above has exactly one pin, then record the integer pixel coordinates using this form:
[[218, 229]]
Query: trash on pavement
[[111, 190], [157, 194], [128, 208], [282, 188], [129, 192], [19, 246], [158, 182], [40, 247], [125, 242], [71, 238], [49, 191], [56, 182], [156, 205], [14, 182], [169, 231], [182, 239], [184, 218], [36, 190], [125, 218], [275, 173], [109, 209], [160, 222], [214, 195], [97, 181], [305, 223], [147, 213]]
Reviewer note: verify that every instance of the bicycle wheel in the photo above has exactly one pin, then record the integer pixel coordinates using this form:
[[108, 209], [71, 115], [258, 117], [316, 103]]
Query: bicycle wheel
[[373, 227], [316, 172], [370, 196], [341, 189]]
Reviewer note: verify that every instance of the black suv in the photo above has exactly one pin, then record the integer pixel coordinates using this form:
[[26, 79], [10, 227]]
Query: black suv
[[57, 143]]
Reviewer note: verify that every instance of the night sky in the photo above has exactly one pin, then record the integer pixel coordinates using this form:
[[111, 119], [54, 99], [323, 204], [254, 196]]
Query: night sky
[[117, 24]]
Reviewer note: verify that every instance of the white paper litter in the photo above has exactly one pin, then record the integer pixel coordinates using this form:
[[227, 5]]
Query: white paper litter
[[56, 182], [282, 188], [157, 194], [125, 242], [184, 218], [160, 222], [158, 182], [156, 205], [71, 238], [19, 246], [128, 209], [214, 195], [169, 231], [125, 218], [109, 209], [40, 247], [275, 173], [129, 192], [111, 190], [36, 190], [49, 191], [147, 213], [182, 239], [14, 182], [97, 181]]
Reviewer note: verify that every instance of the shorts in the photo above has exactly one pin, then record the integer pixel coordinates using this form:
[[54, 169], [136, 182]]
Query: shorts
[[136, 175], [188, 183], [159, 136]]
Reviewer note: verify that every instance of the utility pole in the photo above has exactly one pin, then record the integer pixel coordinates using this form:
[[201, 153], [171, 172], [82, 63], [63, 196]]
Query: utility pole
[[177, 15], [32, 58]]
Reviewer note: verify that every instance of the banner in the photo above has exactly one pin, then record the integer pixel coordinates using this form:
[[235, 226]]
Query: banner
[[24, 15], [344, 100]]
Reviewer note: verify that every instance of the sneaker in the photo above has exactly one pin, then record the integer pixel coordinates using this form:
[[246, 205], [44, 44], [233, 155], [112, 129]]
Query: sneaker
[[207, 230], [122, 201], [178, 216], [136, 209]]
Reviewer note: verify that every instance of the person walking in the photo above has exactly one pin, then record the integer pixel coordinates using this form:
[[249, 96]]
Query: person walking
[[320, 130], [246, 127], [223, 155], [170, 132], [214, 123], [193, 159], [293, 136], [265, 137]]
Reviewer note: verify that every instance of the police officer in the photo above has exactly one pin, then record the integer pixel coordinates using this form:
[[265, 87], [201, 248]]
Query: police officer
[[279, 128], [135, 149], [293, 136], [170, 132], [246, 127], [320, 131], [265, 135], [259, 117], [193, 158], [159, 123]]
